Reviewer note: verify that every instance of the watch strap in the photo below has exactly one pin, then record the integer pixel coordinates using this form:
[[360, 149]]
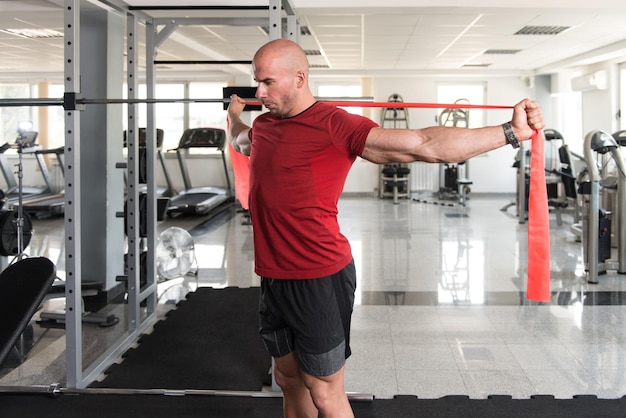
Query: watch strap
[[510, 135]]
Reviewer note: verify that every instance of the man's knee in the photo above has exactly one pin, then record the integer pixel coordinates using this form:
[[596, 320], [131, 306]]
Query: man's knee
[[287, 372], [326, 391]]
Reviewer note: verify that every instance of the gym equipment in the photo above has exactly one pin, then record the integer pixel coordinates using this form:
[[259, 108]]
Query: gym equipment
[[23, 286], [454, 182], [25, 141], [14, 239], [394, 179], [16, 226], [175, 255], [58, 319], [169, 191], [201, 200], [55, 390], [564, 176], [46, 204], [596, 226]]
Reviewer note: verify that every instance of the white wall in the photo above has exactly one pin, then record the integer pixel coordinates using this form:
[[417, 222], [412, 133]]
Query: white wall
[[600, 106]]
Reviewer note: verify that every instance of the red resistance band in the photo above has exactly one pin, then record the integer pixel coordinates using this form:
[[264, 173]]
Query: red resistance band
[[340, 103], [538, 283]]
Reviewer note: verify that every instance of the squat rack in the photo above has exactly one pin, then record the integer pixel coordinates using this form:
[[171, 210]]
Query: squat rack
[[79, 376]]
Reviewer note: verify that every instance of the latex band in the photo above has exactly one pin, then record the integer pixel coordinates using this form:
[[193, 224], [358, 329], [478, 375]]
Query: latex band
[[538, 285], [405, 105]]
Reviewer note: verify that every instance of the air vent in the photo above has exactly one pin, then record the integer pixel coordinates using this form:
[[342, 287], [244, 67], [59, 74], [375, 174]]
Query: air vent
[[312, 52], [501, 51], [476, 65], [541, 30], [34, 33], [319, 66]]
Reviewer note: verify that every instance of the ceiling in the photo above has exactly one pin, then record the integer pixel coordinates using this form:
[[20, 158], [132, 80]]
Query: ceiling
[[443, 37]]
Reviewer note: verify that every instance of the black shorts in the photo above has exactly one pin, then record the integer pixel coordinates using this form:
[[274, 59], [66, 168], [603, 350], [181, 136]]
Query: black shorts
[[310, 317]]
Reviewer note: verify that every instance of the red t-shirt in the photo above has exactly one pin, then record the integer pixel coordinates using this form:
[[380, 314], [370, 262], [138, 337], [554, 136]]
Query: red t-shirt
[[298, 167]]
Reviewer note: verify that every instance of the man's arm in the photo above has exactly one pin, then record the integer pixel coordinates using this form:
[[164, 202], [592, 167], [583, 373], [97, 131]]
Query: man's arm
[[448, 144], [238, 131]]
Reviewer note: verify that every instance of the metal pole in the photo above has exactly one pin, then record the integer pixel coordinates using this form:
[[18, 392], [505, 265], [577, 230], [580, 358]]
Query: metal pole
[[132, 193], [151, 222], [73, 293], [521, 184], [592, 228], [275, 24], [20, 200], [56, 390], [621, 207]]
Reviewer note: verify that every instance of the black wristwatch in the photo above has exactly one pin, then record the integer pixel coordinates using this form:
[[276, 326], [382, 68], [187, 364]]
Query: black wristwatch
[[510, 135]]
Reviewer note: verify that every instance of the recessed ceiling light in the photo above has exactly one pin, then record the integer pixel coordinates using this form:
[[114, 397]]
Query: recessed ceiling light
[[501, 51], [34, 33]]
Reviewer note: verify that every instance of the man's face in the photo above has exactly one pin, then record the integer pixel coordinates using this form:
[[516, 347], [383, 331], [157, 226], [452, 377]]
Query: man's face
[[276, 87]]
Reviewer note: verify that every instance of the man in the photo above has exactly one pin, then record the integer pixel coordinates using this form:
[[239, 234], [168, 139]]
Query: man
[[300, 154]]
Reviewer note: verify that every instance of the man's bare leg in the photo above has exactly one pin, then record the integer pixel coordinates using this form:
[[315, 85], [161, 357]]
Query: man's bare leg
[[329, 394], [297, 401]]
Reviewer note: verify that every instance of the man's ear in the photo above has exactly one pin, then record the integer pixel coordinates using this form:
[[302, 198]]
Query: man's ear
[[300, 78]]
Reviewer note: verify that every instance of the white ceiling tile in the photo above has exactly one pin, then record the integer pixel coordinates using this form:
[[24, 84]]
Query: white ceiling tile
[[380, 36]]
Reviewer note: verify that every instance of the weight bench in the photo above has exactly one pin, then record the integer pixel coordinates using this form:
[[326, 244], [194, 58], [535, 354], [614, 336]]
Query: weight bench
[[23, 286]]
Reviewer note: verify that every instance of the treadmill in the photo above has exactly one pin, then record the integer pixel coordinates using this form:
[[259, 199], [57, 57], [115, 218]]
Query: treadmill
[[46, 204], [200, 200], [27, 141]]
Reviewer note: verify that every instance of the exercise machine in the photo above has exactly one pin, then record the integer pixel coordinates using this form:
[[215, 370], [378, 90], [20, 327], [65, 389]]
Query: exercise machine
[[200, 200], [454, 182], [25, 142], [564, 175], [561, 179], [394, 178], [50, 203], [597, 222]]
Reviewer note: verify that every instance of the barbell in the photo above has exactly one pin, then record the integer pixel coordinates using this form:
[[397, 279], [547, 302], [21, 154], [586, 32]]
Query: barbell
[[74, 101], [55, 390]]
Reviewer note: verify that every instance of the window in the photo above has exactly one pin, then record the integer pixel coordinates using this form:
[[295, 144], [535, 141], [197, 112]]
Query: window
[[174, 118], [206, 114], [10, 117], [463, 93], [56, 118], [169, 116], [338, 91], [568, 118]]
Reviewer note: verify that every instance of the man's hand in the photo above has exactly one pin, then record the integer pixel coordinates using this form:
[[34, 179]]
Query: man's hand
[[235, 107], [238, 131], [527, 118]]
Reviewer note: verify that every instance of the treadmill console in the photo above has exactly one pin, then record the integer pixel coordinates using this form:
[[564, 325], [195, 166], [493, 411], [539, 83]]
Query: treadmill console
[[203, 138]]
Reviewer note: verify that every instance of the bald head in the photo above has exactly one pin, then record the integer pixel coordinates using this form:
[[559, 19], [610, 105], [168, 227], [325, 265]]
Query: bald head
[[281, 70], [283, 53]]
